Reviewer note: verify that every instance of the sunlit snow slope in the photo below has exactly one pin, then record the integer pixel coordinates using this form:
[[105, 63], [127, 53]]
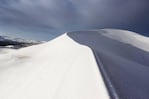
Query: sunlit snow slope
[[59, 69], [123, 59], [96, 64]]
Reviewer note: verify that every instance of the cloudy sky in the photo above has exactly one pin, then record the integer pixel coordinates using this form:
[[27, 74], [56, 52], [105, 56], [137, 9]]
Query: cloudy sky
[[45, 19]]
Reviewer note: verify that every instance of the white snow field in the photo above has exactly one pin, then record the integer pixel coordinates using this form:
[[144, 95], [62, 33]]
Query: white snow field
[[64, 69], [58, 69]]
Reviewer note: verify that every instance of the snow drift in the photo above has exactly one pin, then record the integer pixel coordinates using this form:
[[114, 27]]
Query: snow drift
[[59, 69], [122, 57], [97, 64]]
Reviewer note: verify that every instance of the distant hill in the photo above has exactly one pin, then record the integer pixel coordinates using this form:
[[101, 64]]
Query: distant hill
[[9, 42]]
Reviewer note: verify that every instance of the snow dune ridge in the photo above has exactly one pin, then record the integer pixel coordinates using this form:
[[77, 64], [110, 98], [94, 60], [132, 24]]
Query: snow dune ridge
[[59, 69], [63, 68]]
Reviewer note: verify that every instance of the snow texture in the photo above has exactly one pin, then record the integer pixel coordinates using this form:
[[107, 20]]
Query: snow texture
[[95, 64], [58, 69], [122, 58]]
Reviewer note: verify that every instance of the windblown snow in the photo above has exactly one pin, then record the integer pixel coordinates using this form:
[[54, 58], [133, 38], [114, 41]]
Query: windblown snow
[[62, 68]]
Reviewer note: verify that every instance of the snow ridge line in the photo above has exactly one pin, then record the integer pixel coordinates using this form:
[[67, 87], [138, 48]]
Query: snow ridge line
[[111, 89]]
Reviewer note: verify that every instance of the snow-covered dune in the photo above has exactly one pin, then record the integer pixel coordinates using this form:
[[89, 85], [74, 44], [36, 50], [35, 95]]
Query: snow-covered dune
[[95, 64], [123, 59], [59, 69]]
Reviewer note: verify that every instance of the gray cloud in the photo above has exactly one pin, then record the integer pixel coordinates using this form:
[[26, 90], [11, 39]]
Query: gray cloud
[[56, 16]]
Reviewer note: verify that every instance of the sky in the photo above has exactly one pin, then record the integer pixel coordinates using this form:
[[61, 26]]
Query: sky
[[46, 19]]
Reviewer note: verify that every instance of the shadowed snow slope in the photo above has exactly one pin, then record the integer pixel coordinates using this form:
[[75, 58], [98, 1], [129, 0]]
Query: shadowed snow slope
[[59, 69], [123, 59]]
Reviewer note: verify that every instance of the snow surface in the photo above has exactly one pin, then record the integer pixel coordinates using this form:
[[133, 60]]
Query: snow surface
[[123, 59], [65, 69], [127, 37], [59, 69]]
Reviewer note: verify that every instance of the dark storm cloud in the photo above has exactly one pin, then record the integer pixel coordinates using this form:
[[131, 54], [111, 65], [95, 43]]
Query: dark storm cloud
[[51, 16]]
